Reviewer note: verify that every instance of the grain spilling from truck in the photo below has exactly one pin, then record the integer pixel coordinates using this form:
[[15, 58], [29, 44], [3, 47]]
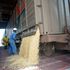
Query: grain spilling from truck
[[29, 47], [28, 54]]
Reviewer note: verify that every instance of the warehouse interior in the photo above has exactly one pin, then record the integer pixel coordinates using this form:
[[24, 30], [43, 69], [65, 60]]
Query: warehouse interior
[[42, 37], [6, 8]]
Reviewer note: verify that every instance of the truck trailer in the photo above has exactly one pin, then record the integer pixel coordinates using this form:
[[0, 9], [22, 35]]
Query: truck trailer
[[52, 17]]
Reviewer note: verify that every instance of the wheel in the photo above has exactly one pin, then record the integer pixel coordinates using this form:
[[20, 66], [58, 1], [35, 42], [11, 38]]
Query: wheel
[[49, 49]]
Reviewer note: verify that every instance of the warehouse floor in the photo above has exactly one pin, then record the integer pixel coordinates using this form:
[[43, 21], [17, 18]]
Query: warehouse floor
[[60, 61]]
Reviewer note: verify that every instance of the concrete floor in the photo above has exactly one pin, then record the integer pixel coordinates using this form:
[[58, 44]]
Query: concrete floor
[[57, 62], [60, 61], [3, 55]]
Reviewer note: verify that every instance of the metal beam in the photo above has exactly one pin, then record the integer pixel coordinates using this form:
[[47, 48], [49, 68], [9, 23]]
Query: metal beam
[[8, 1], [6, 5], [5, 10]]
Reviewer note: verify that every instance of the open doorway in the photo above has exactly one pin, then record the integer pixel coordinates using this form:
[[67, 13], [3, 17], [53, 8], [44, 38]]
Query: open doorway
[[2, 33]]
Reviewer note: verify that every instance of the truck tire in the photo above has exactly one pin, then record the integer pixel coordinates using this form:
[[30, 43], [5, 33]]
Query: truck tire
[[49, 49]]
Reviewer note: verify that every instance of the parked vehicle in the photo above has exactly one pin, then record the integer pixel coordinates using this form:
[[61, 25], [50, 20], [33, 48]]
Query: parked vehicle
[[53, 17]]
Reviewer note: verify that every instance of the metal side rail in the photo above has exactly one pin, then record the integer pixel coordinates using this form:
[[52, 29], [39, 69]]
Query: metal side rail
[[61, 38]]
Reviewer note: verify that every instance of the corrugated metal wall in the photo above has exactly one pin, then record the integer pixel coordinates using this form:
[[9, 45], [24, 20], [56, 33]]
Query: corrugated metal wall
[[51, 17], [26, 18], [51, 13]]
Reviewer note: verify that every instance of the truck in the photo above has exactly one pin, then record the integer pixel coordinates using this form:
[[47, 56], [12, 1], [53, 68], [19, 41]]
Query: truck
[[52, 17]]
